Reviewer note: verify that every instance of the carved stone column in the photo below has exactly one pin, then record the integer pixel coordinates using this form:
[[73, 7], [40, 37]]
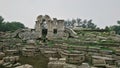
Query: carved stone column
[[50, 29], [38, 28], [60, 28], [54, 28]]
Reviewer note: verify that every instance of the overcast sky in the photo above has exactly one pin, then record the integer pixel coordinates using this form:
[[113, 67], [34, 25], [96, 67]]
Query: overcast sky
[[102, 12]]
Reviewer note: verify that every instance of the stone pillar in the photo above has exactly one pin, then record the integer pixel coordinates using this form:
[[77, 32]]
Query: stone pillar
[[54, 27], [50, 29], [38, 28], [54, 23], [60, 28]]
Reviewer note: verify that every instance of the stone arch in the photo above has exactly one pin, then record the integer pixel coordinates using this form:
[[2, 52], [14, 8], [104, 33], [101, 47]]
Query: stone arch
[[39, 18], [47, 17], [40, 25], [51, 26]]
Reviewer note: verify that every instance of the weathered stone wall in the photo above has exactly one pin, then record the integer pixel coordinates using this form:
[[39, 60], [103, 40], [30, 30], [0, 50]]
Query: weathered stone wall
[[56, 63], [60, 28], [51, 25], [50, 29]]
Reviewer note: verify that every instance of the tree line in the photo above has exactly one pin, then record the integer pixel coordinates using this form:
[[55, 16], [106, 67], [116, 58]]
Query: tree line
[[115, 28], [88, 24], [80, 23], [10, 26]]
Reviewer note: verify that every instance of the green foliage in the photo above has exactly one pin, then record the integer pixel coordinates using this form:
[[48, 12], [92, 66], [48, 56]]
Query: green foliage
[[118, 22], [79, 23], [1, 19], [78, 20], [91, 25], [10, 26], [1, 22], [107, 28], [50, 43], [115, 28]]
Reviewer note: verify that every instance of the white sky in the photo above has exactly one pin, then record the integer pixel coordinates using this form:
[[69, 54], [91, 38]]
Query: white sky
[[103, 12]]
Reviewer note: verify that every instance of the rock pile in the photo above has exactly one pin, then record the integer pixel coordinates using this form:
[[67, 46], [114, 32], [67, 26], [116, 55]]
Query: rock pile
[[10, 61], [25, 66]]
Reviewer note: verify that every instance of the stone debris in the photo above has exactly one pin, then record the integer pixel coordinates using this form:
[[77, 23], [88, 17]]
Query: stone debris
[[2, 55], [1, 62], [25, 66], [105, 53], [10, 61], [16, 64], [56, 63]]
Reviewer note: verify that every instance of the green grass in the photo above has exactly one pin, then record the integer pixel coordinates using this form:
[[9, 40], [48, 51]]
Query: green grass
[[50, 43], [36, 61], [105, 48]]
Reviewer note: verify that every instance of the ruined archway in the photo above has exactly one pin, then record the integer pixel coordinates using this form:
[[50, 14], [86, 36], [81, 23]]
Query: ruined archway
[[42, 25], [49, 28], [44, 28]]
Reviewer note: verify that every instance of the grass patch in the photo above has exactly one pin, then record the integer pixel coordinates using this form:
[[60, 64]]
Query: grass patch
[[36, 61]]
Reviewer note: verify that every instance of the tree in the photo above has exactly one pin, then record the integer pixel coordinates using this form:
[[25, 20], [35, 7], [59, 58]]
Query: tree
[[107, 28], [116, 28], [118, 22], [84, 24], [73, 22], [65, 24], [69, 23], [78, 20], [91, 25], [1, 19], [1, 23], [10, 26], [80, 23]]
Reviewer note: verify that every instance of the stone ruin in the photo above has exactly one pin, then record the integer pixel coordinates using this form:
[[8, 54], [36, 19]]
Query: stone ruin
[[54, 28], [30, 49], [45, 28], [61, 63], [56, 63], [25, 41]]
